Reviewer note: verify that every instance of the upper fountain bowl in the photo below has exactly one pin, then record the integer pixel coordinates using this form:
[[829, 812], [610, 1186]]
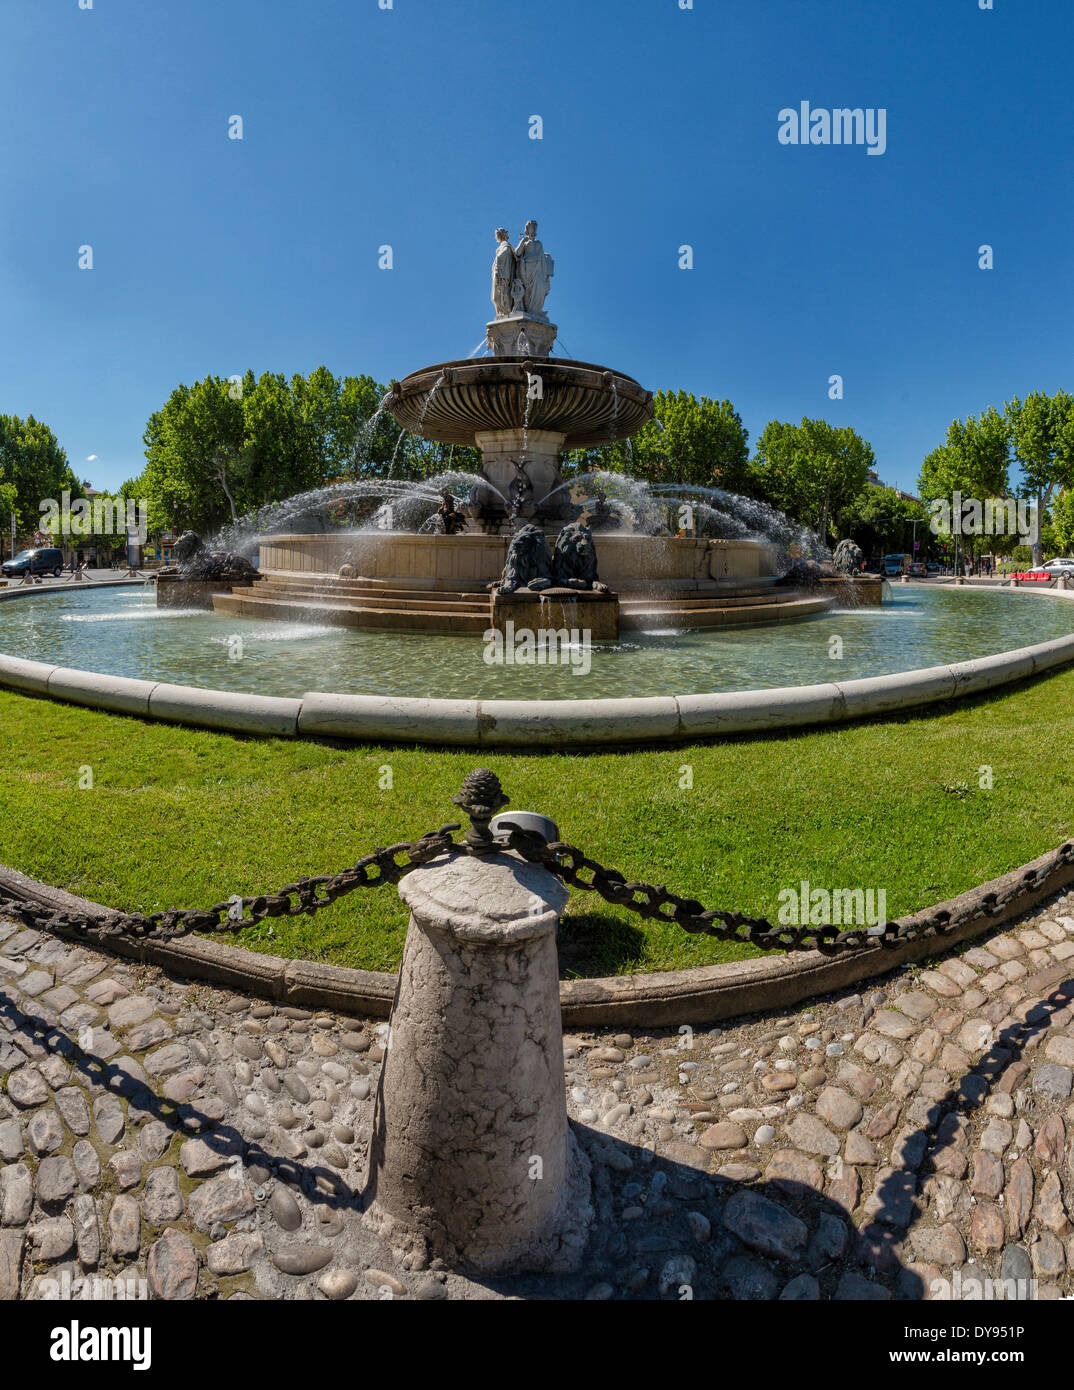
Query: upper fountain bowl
[[455, 401]]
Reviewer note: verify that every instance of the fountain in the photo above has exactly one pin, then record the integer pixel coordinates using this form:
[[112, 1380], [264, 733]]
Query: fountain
[[522, 408], [200, 574]]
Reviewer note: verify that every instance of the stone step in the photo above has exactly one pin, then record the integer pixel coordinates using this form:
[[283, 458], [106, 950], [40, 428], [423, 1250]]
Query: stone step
[[350, 615], [637, 602], [436, 602], [720, 615]]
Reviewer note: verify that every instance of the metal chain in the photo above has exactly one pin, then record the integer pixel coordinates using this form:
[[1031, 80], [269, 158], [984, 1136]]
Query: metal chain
[[308, 896], [571, 865], [304, 897]]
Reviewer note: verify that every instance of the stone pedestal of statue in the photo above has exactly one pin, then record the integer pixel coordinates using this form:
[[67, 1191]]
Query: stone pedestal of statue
[[505, 452], [520, 335]]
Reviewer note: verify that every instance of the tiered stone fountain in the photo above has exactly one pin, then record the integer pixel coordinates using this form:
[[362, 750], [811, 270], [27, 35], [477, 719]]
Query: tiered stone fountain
[[521, 408]]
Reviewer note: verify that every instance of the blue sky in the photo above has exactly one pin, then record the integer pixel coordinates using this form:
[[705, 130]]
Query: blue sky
[[410, 127]]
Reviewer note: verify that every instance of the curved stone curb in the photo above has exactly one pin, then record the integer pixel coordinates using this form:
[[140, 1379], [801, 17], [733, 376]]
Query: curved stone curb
[[64, 587], [534, 723], [705, 994]]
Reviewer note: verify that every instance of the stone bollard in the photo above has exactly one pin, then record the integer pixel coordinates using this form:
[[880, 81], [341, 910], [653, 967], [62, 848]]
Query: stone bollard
[[472, 1160]]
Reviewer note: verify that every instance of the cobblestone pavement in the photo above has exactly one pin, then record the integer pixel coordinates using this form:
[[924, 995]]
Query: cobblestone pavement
[[190, 1143]]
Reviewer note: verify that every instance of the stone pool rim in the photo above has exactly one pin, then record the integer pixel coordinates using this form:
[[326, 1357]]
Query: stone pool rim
[[562, 724]]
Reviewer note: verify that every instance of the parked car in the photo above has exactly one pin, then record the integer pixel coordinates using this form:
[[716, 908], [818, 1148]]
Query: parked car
[[46, 560], [918, 569]]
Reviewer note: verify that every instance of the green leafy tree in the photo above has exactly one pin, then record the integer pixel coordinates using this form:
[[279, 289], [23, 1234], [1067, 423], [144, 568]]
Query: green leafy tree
[[974, 461], [1042, 436], [882, 521], [687, 440], [814, 471], [33, 469]]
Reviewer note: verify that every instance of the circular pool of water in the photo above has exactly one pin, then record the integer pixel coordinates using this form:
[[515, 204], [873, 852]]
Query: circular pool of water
[[120, 632]]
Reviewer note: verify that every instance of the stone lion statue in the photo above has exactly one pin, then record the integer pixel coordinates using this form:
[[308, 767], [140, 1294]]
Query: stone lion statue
[[196, 562], [574, 563], [529, 563], [848, 557]]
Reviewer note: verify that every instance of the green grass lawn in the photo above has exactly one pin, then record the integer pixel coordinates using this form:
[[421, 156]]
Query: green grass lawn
[[181, 817]]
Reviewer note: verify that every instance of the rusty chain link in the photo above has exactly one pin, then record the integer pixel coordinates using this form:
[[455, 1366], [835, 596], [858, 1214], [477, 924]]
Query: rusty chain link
[[307, 896], [304, 897], [570, 864]]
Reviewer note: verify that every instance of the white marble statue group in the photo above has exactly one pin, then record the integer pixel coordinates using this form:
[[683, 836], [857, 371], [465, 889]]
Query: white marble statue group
[[521, 275]]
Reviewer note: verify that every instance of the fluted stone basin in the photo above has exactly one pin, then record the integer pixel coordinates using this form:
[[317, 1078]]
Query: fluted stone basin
[[588, 405]]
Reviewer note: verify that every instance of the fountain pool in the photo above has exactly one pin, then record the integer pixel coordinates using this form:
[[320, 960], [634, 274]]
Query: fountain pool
[[120, 632]]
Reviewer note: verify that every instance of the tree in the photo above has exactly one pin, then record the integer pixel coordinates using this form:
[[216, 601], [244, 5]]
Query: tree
[[881, 521], [974, 461], [687, 440], [33, 469], [814, 471], [1042, 436], [1063, 519]]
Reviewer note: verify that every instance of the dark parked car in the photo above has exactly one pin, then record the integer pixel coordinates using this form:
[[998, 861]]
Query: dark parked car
[[47, 560]]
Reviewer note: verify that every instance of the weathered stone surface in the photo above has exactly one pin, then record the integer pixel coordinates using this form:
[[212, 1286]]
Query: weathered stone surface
[[235, 1253], [124, 1227], [764, 1226], [893, 1025], [338, 1284], [109, 1119], [838, 1108], [884, 1121], [1051, 1141], [988, 1176], [219, 1199], [87, 1165], [808, 1134], [859, 1149], [986, 1228], [27, 1087], [788, 1169], [1018, 1197], [748, 1280], [997, 1136], [87, 1230], [939, 1245], [1051, 1208], [726, 1135], [1053, 1081], [12, 1244], [16, 1194], [200, 1157], [53, 1239], [172, 1267], [56, 1180], [301, 1259], [162, 1198], [44, 1132], [285, 1209], [12, 1146]]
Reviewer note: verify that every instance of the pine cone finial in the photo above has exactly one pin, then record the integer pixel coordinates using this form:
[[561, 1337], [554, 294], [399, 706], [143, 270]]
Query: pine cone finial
[[480, 797]]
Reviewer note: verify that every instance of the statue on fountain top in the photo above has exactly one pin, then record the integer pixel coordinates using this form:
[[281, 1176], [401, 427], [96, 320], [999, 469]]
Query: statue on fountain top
[[535, 270], [521, 280], [503, 274]]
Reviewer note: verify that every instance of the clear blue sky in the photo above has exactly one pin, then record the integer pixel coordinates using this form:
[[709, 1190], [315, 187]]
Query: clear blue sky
[[409, 126]]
